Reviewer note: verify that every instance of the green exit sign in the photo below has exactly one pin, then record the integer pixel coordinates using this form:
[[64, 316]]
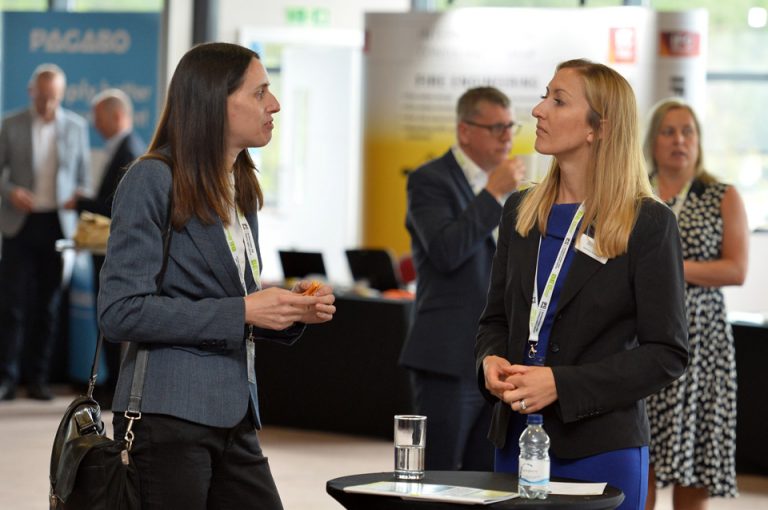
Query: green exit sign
[[308, 16]]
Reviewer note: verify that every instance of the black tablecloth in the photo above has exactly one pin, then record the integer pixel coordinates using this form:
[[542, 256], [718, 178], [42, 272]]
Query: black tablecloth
[[611, 497], [341, 376], [752, 413]]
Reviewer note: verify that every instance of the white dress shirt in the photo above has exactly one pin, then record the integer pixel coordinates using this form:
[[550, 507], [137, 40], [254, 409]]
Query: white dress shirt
[[45, 163]]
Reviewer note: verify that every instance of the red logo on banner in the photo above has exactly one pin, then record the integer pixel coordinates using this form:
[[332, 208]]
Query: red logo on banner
[[679, 44], [623, 46]]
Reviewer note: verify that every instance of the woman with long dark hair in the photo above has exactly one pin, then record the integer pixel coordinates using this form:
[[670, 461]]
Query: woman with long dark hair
[[196, 446]]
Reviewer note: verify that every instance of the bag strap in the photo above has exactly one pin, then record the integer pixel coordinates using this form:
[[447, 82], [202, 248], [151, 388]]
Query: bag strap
[[141, 354]]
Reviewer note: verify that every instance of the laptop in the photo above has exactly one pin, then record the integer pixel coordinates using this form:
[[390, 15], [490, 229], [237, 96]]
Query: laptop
[[300, 264], [377, 266]]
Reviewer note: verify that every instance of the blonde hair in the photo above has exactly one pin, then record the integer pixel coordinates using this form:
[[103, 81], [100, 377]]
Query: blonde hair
[[660, 110], [616, 176]]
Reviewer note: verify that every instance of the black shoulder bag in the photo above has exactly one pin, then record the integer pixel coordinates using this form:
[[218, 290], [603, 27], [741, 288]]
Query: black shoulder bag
[[90, 471]]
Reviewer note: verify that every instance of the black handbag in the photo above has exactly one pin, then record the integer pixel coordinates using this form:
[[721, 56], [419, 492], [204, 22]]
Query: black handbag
[[90, 471]]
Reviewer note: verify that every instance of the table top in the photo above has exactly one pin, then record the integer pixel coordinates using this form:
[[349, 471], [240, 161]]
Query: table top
[[63, 245], [611, 497]]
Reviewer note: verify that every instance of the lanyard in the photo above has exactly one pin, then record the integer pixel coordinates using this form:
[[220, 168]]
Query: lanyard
[[250, 251], [677, 202], [253, 259], [539, 308]]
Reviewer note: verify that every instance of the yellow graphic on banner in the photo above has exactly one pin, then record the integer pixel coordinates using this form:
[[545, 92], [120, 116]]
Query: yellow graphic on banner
[[387, 162]]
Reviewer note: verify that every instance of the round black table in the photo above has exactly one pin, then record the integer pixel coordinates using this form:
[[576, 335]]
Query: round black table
[[611, 497]]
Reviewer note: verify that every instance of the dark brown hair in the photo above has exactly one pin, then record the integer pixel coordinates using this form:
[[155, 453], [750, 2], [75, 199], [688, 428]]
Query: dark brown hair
[[190, 136]]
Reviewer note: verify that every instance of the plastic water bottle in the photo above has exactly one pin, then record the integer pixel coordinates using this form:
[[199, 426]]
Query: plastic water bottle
[[533, 476]]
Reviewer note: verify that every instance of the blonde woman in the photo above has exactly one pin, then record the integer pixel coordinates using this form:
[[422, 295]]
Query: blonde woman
[[693, 421], [586, 351]]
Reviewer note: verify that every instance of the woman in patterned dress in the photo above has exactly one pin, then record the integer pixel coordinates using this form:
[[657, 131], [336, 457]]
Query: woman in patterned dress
[[693, 420]]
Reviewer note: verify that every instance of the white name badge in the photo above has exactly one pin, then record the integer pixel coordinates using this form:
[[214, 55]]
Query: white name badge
[[586, 245]]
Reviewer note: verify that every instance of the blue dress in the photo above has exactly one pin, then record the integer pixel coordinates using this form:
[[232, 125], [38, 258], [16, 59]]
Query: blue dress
[[627, 468]]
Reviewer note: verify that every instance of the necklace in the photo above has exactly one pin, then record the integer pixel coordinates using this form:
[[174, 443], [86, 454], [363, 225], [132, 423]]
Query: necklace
[[676, 202]]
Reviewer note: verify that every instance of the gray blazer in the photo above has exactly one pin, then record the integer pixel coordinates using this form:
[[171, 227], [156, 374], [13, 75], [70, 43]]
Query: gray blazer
[[16, 165], [452, 244], [194, 327]]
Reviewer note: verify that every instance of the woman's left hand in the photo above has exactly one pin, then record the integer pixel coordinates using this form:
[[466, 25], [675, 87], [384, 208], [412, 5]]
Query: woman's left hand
[[320, 312], [534, 389]]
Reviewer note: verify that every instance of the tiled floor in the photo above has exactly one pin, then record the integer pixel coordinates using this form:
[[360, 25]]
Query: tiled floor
[[301, 461]]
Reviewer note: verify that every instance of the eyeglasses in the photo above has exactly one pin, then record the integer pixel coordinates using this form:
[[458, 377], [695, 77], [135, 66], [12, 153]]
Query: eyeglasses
[[497, 129]]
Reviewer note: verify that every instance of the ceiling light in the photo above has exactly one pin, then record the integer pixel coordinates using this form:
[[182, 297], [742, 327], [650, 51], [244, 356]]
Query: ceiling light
[[757, 17]]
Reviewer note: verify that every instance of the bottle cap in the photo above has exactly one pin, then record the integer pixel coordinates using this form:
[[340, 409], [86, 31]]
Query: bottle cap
[[535, 419]]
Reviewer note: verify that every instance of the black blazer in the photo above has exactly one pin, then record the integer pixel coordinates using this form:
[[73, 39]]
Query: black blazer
[[620, 332], [452, 245], [129, 149]]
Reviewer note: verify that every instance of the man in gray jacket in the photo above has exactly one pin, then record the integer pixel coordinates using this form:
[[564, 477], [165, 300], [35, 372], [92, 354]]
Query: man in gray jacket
[[44, 161]]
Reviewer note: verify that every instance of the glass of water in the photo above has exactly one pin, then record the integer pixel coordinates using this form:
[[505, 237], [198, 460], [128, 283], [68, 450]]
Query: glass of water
[[410, 442]]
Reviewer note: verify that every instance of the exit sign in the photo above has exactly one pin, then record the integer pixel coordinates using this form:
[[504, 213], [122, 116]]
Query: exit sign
[[308, 16]]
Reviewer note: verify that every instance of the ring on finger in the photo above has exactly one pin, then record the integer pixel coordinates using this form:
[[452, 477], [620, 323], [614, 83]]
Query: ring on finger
[[523, 407]]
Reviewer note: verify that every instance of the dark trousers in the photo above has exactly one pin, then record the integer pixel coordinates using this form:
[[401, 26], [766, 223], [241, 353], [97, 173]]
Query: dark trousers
[[30, 279], [188, 466], [458, 419]]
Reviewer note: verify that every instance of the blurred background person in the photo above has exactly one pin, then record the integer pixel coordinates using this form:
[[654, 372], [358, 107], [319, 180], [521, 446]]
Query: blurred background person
[[587, 350], [454, 206], [113, 118], [44, 162], [693, 420]]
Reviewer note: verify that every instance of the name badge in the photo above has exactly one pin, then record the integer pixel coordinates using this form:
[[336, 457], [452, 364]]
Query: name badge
[[251, 362], [586, 245]]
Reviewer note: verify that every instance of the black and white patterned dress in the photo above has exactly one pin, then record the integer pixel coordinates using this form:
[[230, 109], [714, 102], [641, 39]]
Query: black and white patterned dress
[[693, 420]]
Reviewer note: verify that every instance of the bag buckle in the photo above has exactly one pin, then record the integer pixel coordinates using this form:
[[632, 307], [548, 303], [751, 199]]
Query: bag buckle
[[91, 385], [52, 499], [86, 424], [129, 436]]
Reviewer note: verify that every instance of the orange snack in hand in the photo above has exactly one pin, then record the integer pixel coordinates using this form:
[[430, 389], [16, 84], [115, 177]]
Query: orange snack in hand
[[312, 289]]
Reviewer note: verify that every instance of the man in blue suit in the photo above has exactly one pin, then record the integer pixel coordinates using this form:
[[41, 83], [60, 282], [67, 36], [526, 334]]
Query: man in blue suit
[[44, 161], [113, 119], [454, 206]]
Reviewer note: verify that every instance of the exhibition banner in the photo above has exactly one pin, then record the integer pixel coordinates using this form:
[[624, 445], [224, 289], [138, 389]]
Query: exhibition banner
[[96, 51], [681, 63], [417, 64]]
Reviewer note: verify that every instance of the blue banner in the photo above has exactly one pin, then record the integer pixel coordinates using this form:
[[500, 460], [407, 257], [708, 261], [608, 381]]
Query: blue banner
[[96, 51]]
